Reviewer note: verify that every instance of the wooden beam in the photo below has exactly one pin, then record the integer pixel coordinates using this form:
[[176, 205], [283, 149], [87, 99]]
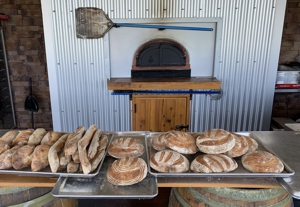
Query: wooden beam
[[192, 83]]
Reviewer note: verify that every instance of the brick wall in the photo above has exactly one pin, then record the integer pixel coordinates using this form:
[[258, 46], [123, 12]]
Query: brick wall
[[288, 104], [25, 48]]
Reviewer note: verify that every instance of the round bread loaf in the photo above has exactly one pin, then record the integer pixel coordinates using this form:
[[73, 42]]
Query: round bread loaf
[[126, 147], [252, 144], [240, 146], [169, 161], [213, 163], [262, 162], [127, 171], [181, 142], [158, 142], [215, 141]]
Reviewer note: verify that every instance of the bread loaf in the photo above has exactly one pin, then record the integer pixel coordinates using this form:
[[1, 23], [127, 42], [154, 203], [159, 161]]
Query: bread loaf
[[252, 144], [3, 146], [215, 163], [158, 142], [262, 162], [53, 153], [9, 136], [100, 152], [169, 161], [6, 157], [127, 171], [50, 138], [181, 142], [240, 147], [22, 157], [126, 147], [37, 136], [94, 144], [40, 158], [22, 137], [215, 141], [82, 149], [72, 145], [72, 167]]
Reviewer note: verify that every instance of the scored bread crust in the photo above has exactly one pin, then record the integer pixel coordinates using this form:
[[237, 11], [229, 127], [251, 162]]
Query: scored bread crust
[[262, 162], [181, 142], [252, 144], [213, 163], [127, 171], [215, 141], [158, 142], [240, 147], [10, 136], [126, 147], [169, 161]]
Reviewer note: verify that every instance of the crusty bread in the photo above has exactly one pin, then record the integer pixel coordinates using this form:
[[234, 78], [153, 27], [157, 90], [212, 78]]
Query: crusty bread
[[215, 163], [22, 157], [240, 146], [53, 153], [169, 161], [72, 145], [82, 149], [158, 142], [50, 138], [126, 147], [100, 152], [40, 158], [94, 144], [9, 136], [215, 141], [127, 171], [262, 162], [3, 146], [22, 137], [252, 144], [37, 136], [181, 142], [6, 157], [72, 167]]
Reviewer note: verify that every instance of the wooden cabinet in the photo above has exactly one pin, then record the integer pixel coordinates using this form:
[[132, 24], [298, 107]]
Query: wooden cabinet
[[160, 113]]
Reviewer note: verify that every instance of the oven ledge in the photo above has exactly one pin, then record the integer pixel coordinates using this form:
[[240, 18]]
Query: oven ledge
[[185, 83]]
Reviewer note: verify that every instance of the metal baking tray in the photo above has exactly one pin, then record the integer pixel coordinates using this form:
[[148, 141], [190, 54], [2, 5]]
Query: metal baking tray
[[99, 187], [239, 172], [46, 172]]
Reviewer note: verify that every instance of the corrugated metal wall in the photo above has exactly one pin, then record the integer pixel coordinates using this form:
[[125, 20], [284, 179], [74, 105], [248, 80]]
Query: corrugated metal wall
[[78, 68]]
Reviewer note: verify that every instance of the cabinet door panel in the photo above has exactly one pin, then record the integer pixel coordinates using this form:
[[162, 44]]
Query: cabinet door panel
[[160, 112]]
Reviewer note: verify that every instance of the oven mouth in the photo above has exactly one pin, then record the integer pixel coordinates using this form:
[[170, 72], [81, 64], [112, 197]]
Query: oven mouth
[[161, 58]]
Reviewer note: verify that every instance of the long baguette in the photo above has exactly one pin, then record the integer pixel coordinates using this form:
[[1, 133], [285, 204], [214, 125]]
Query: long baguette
[[72, 145], [63, 158], [94, 144], [100, 152], [72, 167], [54, 149], [10, 136], [82, 145], [6, 157]]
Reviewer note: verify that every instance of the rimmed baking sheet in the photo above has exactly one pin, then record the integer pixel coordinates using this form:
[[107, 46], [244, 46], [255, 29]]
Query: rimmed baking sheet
[[239, 172], [46, 172], [99, 187]]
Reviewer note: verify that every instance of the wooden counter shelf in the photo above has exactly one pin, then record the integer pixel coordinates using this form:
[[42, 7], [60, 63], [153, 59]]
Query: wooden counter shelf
[[10, 180], [192, 83]]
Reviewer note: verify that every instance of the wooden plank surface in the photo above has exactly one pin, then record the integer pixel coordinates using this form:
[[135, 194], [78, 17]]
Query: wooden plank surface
[[195, 83], [35, 181]]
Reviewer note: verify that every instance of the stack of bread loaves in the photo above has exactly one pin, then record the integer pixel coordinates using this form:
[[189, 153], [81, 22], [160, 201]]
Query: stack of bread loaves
[[217, 152], [128, 169], [80, 151]]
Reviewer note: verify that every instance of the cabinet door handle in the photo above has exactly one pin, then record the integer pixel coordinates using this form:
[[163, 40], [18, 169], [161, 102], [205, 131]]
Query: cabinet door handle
[[134, 108]]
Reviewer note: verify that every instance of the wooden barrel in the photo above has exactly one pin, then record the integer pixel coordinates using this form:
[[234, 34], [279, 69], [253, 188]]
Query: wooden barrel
[[32, 197], [222, 197]]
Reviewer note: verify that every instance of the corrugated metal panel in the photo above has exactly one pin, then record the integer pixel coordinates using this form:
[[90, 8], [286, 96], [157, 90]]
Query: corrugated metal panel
[[243, 66]]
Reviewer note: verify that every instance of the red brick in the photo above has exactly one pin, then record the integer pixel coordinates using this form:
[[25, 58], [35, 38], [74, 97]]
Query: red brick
[[13, 20], [26, 1], [31, 13], [30, 43]]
